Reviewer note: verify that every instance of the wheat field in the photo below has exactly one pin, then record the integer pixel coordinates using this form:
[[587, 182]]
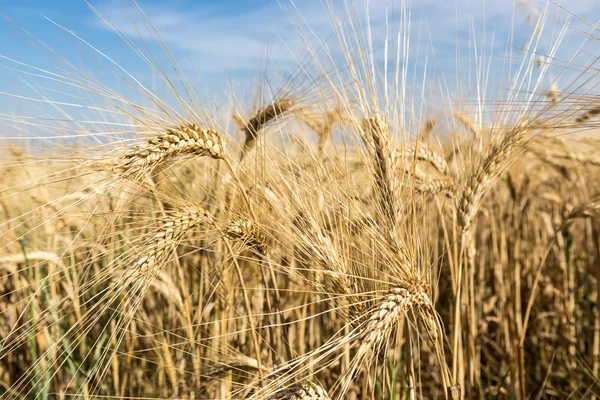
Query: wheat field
[[346, 233]]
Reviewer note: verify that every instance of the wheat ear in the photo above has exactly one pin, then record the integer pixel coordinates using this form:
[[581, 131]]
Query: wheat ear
[[248, 233], [382, 321], [438, 186], [188, 139], [393, 306], [324, 128], [430, 156], [468, 124], [376, 136], [173, 229], [39, 256], [425, 133], [588, 115], [482, 178], [302, 391], [260, 120], [590, 208]]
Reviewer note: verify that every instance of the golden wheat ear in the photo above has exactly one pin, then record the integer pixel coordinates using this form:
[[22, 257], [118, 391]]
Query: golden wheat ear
[[161, 244], [261, 119], [466, 121], [188, 139], [324, 126], [376, 137], [249, 234], [499, 156]]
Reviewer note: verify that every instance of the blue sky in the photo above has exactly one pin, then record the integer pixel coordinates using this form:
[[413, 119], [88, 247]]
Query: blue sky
[[223, 43]]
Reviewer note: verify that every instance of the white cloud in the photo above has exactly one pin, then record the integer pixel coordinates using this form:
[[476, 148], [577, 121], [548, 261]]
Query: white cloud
[[218, 39], [218, 44]]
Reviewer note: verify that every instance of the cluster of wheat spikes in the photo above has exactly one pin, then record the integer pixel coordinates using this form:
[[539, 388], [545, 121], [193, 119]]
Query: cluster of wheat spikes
[[345, 247]]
